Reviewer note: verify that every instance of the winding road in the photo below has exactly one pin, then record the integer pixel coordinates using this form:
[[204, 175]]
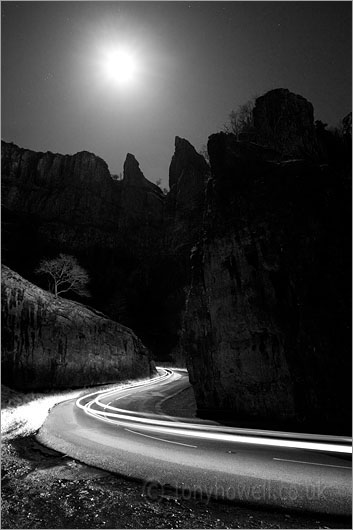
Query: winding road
[[126, 432]]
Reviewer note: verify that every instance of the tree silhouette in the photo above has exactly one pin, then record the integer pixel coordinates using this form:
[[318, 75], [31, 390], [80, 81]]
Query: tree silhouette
[[64, 274], [241, 121]]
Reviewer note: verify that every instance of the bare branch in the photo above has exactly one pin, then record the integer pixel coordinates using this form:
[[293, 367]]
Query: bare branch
[[241, 120], [66, 274]]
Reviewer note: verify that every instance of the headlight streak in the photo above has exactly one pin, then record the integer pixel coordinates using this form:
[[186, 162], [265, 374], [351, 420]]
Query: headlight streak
[[126, 418]]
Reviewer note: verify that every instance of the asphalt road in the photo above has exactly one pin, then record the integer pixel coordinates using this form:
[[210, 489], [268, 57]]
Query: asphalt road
[[125, 431]]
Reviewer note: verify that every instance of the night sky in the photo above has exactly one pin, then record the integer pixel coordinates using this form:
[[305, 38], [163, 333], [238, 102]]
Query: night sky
[[194, 63]]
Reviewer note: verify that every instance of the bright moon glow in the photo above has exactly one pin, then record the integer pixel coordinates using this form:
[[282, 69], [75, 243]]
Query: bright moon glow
[[120, 67]]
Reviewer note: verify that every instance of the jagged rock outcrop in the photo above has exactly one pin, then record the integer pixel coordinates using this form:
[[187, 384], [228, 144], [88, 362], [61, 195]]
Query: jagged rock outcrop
[[285, 122], [186, 165], [73, 195], [53, 203], [267, 325], [188, 173], [141, 208], [184, 209], [75, 200], [49, 342], [133, 241]]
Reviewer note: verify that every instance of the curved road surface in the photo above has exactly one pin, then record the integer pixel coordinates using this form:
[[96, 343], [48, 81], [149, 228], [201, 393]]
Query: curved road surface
[[125, 431]]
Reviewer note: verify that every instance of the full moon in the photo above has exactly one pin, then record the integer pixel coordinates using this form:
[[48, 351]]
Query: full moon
[[120, 67]]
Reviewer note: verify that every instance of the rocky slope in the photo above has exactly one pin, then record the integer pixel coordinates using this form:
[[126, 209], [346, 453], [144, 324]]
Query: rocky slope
[[268, 315], [49, 342]]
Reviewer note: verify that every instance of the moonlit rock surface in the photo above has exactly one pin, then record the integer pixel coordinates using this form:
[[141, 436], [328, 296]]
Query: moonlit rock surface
[[50, 342]]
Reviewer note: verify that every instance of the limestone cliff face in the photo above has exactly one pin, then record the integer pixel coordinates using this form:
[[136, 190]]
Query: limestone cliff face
[[141, 208], [267, 325], [188, 173], [285, 122], [53, 203], [74, 201], [73, 195], [133, 241], [183, 225], [50, 342]]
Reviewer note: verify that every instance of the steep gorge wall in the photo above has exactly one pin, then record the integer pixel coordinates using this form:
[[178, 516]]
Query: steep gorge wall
[[263, 237], [267, 325], [71, 194], [72, 203], [188, 174], [183, 218], [49, 342], [134, 242], [53, 203]]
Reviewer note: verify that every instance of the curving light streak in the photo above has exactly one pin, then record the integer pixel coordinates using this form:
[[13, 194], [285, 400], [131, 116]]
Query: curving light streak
[[126, 418]]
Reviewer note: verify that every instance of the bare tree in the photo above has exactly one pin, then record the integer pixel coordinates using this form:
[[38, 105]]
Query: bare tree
[[241, 120], [64, 274]]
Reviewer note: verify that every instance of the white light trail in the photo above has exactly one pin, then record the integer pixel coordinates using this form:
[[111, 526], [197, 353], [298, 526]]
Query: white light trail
[[126, 418]]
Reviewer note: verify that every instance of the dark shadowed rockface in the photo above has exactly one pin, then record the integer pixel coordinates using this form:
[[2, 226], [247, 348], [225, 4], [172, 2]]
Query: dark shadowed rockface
[[183, 214], [53, 203], [134, 242], [49, 342], [47, 189], [267, 326], [285, 122], [188, 173], [74, 202]]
